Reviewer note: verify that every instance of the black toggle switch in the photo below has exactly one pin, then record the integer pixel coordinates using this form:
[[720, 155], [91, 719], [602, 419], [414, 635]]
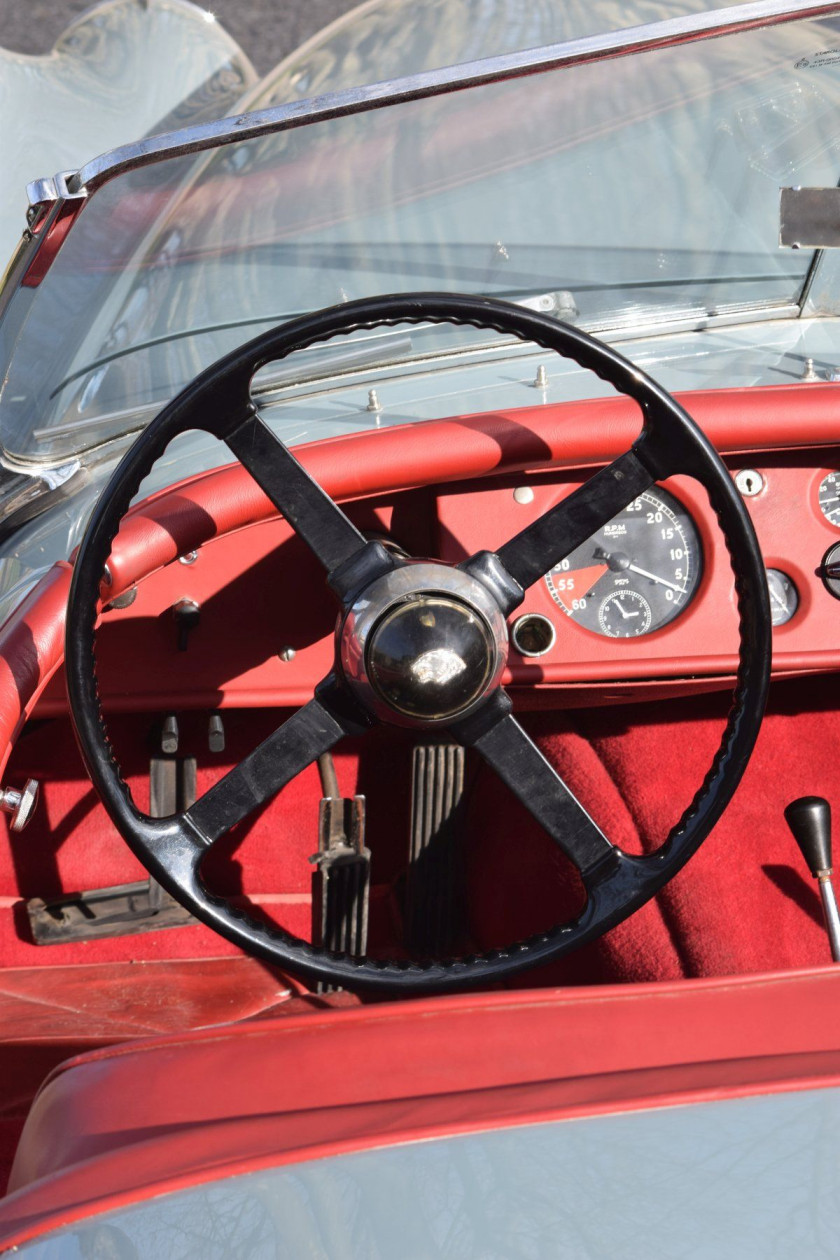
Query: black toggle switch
[[216, 733], [169, 735], [187, 615]]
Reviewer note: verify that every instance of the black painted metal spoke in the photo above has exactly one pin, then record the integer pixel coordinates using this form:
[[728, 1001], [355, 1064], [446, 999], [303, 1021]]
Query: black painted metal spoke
[[530, 554], [308, 509], [520, 764], [313, 730]]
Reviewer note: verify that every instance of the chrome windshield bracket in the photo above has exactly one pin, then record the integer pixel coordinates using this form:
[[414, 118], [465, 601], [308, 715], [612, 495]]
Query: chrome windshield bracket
[[24, 496], [45, 194]]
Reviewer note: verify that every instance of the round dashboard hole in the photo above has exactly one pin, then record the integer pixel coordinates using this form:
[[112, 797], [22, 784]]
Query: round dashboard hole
[[533, 635]]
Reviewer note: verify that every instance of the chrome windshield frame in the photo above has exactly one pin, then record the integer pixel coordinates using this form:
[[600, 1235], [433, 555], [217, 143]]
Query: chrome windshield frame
[[55, 202], [62, 196], [665, 34]]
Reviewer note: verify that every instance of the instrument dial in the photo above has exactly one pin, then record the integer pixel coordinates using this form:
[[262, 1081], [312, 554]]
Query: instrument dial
[[784, 597], [829, 497], [637, 573], [625, 614]]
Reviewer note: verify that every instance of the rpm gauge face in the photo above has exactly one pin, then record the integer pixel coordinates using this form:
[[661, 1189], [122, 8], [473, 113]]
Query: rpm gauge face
[[636, 574], [829, 497]]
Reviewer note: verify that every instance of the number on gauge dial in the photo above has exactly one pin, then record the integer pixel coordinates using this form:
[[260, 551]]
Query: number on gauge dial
[[636, 574]]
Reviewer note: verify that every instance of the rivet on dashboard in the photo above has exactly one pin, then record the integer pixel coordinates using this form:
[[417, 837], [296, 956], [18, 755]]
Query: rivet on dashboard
[[523, 494], [286, 654], [122, 601], [189, 558]]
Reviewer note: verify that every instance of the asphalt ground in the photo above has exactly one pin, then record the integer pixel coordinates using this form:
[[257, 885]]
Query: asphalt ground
[[266, 31]]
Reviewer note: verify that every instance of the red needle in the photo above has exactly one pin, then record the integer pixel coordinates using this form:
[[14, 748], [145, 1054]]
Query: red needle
[[576, 583]]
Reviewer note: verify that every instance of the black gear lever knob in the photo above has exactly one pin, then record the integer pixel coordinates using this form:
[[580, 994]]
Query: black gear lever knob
[[809, 818]]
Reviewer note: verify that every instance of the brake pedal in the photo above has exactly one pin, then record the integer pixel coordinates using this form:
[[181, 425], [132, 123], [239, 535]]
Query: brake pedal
[[433, 901]]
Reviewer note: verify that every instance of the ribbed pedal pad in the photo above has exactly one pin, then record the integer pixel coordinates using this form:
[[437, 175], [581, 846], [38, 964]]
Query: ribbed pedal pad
[[433, 902], [343, 876]]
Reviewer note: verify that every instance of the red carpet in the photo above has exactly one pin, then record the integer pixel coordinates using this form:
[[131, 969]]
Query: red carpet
[[744, 903]]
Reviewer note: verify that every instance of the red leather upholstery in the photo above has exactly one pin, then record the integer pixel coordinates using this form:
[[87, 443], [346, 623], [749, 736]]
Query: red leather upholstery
[[136, 1120], [563, 435], [31, 650]]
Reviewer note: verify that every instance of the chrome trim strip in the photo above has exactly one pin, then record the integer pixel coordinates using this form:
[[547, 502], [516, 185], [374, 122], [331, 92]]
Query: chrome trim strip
[[667, 33], [438, 362]]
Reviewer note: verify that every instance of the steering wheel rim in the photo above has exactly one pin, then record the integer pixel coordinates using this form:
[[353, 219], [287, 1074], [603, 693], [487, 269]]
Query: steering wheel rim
[[219, 402]]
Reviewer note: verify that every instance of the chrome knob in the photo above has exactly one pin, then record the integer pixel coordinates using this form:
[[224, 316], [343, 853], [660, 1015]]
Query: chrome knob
[[21, 805]]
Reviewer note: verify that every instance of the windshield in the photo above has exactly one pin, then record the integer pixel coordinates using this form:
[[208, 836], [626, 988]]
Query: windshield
[[620, 194]]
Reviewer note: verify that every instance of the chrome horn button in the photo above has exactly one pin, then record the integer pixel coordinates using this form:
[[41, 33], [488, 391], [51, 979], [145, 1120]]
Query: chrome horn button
[[430, 657], [426, 643]]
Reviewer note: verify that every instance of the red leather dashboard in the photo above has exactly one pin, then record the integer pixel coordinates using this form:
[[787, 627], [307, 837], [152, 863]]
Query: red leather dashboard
[[266, 620]]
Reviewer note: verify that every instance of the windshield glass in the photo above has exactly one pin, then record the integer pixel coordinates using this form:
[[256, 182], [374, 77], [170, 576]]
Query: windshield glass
[[620, 194]]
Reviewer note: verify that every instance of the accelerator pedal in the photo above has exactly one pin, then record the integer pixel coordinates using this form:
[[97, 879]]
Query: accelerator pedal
[[433, 900]]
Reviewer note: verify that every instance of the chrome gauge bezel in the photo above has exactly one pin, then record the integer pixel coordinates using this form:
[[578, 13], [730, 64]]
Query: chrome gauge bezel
[[641, 593]]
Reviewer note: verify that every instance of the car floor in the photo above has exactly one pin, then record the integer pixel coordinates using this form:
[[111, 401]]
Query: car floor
[[745, 903]]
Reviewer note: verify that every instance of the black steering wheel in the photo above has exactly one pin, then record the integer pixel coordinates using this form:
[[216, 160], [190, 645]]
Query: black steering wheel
[[420, 643]]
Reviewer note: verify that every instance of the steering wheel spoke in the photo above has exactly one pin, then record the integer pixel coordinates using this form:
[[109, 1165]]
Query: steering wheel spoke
[[530, 554], [309, 510], [311, 731], [515, 758]]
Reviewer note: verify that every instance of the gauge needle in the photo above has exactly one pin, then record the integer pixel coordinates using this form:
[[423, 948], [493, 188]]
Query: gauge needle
[[620, 561], [781, 602], [634, 568]]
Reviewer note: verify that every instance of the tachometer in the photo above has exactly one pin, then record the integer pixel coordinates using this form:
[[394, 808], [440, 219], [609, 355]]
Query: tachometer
[[829, 497], [636, 574]]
